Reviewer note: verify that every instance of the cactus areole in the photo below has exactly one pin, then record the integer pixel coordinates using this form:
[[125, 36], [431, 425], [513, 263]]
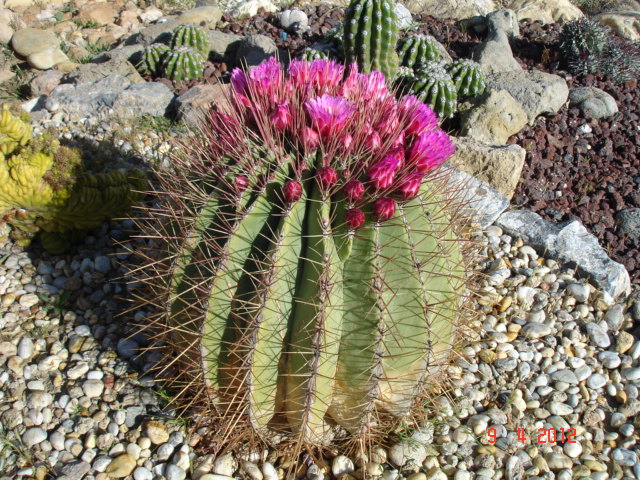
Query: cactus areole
[[322, 297]]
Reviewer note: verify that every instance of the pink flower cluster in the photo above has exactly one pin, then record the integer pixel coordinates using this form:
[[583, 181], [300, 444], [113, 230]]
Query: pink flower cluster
[[361, 144]]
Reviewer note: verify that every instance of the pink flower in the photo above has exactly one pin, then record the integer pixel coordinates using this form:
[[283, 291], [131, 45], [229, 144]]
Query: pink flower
[[281, 116], [373, 140], [292, 191], [383, 172], [310, 139], [265, 79], [299, 73], [353, 190], [328, 114], [410, 185], [418, 117], [398, 141], [384, 208], [327, 178], [326, 74], [354, 218], [430, 150], [239, 81], [241, 183], [372, 86], [389, 122]]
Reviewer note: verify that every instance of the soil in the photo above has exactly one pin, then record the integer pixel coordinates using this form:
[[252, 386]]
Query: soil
[[576, 167]]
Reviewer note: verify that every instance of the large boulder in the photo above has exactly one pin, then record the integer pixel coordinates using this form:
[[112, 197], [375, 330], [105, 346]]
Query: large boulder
[[192, 104], [255, 49], [458, 9], [157, 33], [148, 98], [537, 92], [569, 242], [598, 102], [86, 98], [546, 11], [494, 54], [492, 117], [499, 166], [625, 24], [223, 44], [90, 72]]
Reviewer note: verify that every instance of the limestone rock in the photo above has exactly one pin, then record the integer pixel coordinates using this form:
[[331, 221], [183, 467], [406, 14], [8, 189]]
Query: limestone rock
[[403, 15], [90, 72], [599, 102], [198, 99], [495, 55], [147, 98], [458, 9], [98, 12], [151, 14], [569, 242], [210, 15], [130, 53], [46, 59], [506, 20], [250, 8], [86, 98], [492, 118], [499, 166], [255, 49], [625, 24], [537, 92], [33, 40], [546, 11]]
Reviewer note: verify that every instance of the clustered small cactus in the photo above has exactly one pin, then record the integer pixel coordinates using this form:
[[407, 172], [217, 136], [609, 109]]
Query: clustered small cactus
[[44, 188], [467, 76], [183, 60], [417, 50], [311, 281], [432, 85], [310, 54]]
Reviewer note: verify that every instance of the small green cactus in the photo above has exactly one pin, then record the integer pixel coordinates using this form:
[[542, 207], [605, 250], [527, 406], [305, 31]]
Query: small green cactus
[[310, 54], [183, 63], [370, 36], [191, 35], [433, 86], [416, 50], [151, 63], [467, 76]]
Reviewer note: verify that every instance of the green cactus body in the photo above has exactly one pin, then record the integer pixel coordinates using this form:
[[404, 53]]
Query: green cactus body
[[152, 57], [416, 50], [14, 133], [468, 77], [434, 86], [310, 54], [182, 63], [191, 35], [583, 45], [370, 36]]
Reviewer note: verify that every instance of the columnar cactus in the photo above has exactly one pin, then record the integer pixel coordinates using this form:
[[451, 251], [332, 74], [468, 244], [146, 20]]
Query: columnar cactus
[[191, 35], [416, 50], [467, 76], [182, 63], [433, 85], [370, 36], [152, 58], [43, 187], [311, 280]]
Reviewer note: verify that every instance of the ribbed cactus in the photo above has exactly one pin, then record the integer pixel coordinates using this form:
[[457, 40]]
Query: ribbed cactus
[[43, 188], [433, 85], [191, 35], [182, 63], [14, 133], [152, 58], [310, 54], [583, 45], [467, 76], [416, 50], [311, 278], [370, 36]]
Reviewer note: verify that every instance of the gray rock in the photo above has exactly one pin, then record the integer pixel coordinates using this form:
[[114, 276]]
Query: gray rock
[[223, 44], [129, 53], [505, 20], [614, 317], [157, 33], [535, 330], [596, 381], [28, 41], [127, 347], [537, 92], [565, 375], [174, 472], [599, 102], [86, 98], [141, 473], [629, 222], [598, 335], [76, 469], [151, 98], [495, 55], [102, 264], [579, 291], [625, 457], [407, 451], [294, 21], [403, 16], [568, 242], [91, 72], [33, 436], [483, 203], [198, 99], [255, 49]]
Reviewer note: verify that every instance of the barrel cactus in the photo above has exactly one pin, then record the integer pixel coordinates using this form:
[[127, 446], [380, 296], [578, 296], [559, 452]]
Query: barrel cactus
[[152, 58], [182, 63], [305, 257], [467, 76], [370, 36], [44, 188], [433, 85], [416, 50], [191, 35]]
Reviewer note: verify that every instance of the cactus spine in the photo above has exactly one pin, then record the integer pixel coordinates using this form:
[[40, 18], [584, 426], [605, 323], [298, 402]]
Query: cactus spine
[[467, 76], [370, 36], [417, 50], [191, 35], [433, 86], [182, 63], [152, 58]]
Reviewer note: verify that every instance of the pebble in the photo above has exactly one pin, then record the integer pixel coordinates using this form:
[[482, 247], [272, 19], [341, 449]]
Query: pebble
[[625, 457], [33, 436], [121, 466], [141, 473], [341, 465], [174, 472], [157, 433], [598, 335]]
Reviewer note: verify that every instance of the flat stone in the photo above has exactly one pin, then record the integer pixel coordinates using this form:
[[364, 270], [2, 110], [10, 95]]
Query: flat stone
[[546, 11], [33, 436], [537, 92], [157, 33], [458, 9], [598, 102], [193, 103], [568, 242], [210, 15], [148, 98], [76, 469], [91, 72], [28, 41], [535, 330], [46, 59], [98, 12]]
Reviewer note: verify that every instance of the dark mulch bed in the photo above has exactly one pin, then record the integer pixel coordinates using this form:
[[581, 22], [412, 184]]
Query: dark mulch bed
[[576, 167]]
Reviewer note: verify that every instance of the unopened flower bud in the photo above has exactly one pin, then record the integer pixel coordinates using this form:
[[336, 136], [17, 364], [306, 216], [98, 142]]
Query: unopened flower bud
[[241, 183], [353, 190], [354, 218], [292, 191], [384, 208], [310, 139], [327, 178], [410, 185], [281, 117]]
